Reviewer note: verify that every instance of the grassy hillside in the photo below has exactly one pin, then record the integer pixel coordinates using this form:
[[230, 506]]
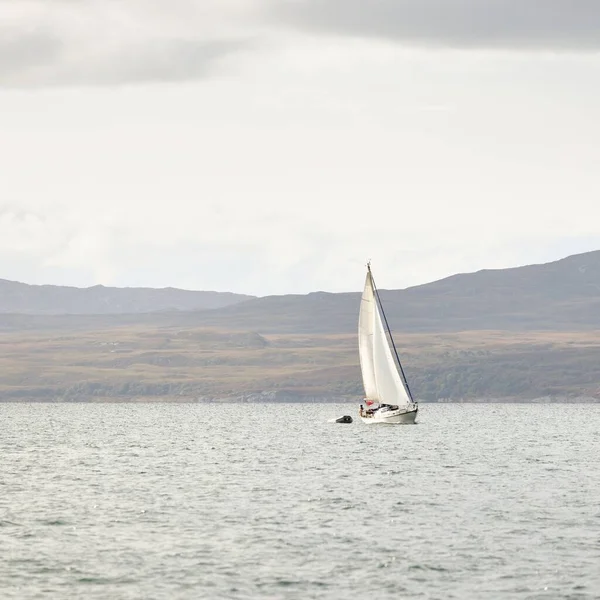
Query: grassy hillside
[[209, 364]]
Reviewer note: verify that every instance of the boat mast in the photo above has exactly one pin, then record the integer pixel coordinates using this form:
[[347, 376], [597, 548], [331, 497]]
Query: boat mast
[[404, 380]]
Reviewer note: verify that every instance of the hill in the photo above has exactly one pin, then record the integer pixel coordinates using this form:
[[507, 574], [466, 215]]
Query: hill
[[513, 334], [140, 363], [22, 298], [557, 296]]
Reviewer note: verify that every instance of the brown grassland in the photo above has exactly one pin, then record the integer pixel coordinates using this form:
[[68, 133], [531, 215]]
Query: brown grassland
[[208, 364]]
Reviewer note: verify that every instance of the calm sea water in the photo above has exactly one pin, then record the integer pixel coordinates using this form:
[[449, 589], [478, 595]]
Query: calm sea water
[[165, 501]]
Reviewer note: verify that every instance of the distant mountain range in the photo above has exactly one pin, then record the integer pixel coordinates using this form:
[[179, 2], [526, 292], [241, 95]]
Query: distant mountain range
[[21, 298], [562, 295], [513, 334]]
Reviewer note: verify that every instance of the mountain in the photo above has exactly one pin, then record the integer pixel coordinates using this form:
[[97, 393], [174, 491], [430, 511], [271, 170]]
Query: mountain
[[557, 296], [560, 295], [512, 334], [21, 298]]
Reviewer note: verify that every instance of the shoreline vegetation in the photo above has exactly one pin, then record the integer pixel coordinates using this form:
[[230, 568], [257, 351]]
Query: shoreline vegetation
[[158, 364]]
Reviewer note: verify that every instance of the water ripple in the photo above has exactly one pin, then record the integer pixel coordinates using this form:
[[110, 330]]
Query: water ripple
[[188, 501]]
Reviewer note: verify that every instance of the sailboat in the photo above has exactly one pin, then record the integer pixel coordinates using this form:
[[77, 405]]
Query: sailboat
[[387, 395]]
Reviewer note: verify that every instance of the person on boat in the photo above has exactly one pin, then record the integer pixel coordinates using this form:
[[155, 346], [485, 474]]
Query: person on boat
[[360, 412]]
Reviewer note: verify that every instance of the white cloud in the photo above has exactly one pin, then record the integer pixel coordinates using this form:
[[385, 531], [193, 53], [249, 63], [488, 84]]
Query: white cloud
[[318, 154], [117, 42], [112, 42]]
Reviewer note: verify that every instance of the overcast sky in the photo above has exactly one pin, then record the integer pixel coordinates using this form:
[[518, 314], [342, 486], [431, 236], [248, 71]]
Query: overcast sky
[[272, 146]]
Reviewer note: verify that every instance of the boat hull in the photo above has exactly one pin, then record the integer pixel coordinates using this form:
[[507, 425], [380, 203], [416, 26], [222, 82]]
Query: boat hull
[[392, 417]]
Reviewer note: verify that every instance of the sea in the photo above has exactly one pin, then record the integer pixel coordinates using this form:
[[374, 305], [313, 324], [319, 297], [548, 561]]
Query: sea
[[275, 501]]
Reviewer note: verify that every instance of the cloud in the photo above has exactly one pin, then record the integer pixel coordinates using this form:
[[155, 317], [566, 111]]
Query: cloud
[[495, 24], [109, 42], [47, 43]]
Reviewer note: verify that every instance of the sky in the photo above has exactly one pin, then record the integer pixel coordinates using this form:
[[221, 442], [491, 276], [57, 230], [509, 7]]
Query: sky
[[273, 146]]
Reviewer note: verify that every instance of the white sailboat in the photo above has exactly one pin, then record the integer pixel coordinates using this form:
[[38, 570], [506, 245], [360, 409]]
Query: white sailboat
[[387, 395]]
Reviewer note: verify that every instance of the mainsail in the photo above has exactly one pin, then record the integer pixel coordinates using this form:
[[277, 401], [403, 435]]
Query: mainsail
[[381, 379], [366, 329]]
